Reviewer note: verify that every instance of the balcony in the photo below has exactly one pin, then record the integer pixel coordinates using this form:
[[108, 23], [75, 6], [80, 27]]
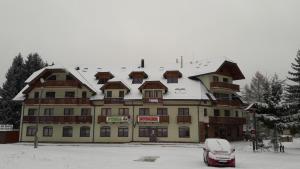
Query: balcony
[[57, 119], [226, 86], [58, 83], [101, 119], [227, 120], [184, 119], [113, 100], [164, 119], [153, 100], [233, 103], [58, 101]]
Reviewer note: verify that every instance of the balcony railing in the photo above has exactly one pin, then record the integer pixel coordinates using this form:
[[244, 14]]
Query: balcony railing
[[113, 100], [57, 83], [57, 119], [234, 103], [223, 85], [101, 119], [164, 119], [184, 119], [59, 101], [153, 100], [227, 120]]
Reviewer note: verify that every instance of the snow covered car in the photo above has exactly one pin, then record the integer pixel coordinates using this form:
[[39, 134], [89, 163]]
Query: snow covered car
[[218, 152]]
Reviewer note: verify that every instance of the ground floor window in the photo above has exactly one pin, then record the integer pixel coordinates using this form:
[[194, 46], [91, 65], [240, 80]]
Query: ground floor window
[[47, 131], [105, 131], [162, 132], [84, 131], [30, 131], [144, 132], [123, 132], [67, 131], [184, 132]]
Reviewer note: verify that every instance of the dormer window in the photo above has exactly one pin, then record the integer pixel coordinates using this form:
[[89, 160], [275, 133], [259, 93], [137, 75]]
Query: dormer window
[[121, 94], [108, 94], [215, 78], [138, 77], [153, 94], [53, 77], [103, 77], [172, 76], [69, 77], [117, 86]]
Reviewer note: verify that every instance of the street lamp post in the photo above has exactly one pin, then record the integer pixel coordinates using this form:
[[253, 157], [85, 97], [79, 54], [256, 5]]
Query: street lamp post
[[36, 140]]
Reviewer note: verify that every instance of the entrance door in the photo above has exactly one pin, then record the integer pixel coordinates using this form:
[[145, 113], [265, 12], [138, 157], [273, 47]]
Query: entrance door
[[152, 134]]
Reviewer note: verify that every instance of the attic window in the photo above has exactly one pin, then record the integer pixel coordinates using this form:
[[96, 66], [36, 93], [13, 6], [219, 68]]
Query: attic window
[[69, 77], [103, 77], [172, 76], [102, 81], [137, 80], [53, 77], [138, 77]]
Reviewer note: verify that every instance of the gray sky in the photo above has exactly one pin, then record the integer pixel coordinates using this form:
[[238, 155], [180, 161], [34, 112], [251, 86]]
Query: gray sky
[[259, 35]]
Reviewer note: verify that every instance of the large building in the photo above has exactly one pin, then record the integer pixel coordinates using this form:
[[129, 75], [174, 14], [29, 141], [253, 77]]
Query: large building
[[175, 103]]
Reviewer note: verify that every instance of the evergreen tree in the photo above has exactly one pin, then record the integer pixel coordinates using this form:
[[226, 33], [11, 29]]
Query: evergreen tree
[[33, 63], [293, 89]]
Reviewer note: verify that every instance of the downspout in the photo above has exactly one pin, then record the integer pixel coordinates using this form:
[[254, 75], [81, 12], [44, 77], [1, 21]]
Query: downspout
[[21, 122], [198, 122], [94, 123], [133, 126]]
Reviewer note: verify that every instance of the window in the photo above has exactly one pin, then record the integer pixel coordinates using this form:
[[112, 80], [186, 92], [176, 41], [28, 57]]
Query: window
[[123, 111], [183, 111], [84, 94], [102, 81], [36, 95], [68, 111], [225, 80], [144, 132], [105, 131], [69, 94], [47, 131], [84, 131], [236, 114], [30, 131], [137, 80], [144, 112], [184, 132], [216, 112], [121, 94], [85, 111], [172, 80], [157, 94], [162, 132], [123, 132], [215, 78], [205, 112], [153, 94], [48, 112], [69, 77], [106, 112], [222, 96], [53, 77], [50, 95], [162, 111], [148, 93], [67, 131], [109, 94], [32, 112], [227, 113]]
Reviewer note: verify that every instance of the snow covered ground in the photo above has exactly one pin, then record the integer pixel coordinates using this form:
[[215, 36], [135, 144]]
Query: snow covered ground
[[125, 156]]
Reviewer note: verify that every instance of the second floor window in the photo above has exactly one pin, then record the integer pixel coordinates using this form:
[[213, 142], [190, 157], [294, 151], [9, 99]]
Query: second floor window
[[70, 94], [50, 95], [216, 112], [227, 113], [144, 112], [48, 112], [32, 112], [183, 112], [162, 111], [124, 112], [108, 94], [121, 94], [68, 111], [106, 112], [85, 111]]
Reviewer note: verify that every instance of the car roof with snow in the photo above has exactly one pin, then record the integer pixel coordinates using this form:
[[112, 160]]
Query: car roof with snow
[[214, 144]]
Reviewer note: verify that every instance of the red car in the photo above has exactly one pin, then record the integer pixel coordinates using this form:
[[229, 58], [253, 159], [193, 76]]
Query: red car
[[218, 152]]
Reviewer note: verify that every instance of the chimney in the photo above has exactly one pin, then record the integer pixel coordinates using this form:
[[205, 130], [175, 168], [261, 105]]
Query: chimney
[[142, 63], [181, 61]]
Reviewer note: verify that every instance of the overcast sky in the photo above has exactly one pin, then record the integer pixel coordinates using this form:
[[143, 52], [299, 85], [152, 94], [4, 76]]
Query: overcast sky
[[259, 35]]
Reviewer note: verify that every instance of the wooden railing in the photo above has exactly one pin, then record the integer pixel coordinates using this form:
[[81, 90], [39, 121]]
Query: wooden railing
[[230, 86], [57, 119], [234, 103], [184, 119], [164, 119], [101, 119], [57, 83], [153, 100], [227, 120], [59, 101], [113, 100]]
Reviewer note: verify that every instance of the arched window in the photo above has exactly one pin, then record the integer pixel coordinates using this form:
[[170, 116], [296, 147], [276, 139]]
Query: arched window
[[105, 131], [84, 131], [184, 132], [30, 131], [123, 131], [47, 131], [67, 131]]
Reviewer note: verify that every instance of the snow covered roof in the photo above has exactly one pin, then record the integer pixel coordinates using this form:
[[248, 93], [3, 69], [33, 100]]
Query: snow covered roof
[[186, 88]]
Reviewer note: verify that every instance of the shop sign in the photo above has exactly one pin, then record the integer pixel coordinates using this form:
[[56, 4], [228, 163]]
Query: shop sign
[[117, 119], [6, 127], [148, 119]]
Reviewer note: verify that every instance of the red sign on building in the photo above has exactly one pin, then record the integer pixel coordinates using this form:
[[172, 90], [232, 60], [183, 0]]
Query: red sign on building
[[148, 119]]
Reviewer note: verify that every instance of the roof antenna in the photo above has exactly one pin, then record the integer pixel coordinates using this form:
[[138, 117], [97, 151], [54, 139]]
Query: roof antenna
[[181, 61]]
